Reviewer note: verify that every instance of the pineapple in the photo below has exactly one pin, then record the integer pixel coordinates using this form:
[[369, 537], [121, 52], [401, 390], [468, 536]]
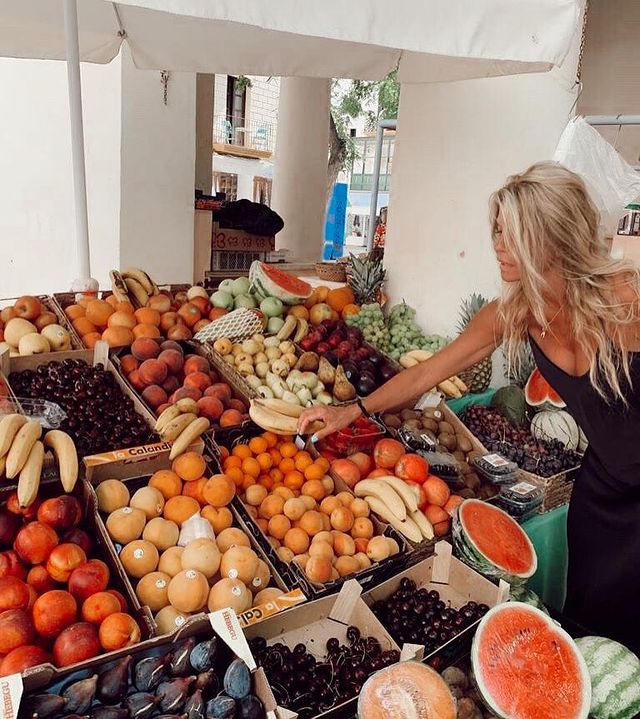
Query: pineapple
[[478, 377], [366, 277]]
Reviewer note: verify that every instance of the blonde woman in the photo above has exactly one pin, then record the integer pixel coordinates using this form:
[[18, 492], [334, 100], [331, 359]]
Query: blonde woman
[[580, 311]]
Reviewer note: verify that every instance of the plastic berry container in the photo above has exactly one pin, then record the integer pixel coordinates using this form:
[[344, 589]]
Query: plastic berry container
[[496, 469], [520, 500], [361, 436]]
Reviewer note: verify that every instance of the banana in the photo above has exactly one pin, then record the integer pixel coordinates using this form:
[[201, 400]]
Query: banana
[[275, 422], [142, 278], [407, 527], [278, 405], [420, 355], [118, 287], [287, 328], [66, 455], [30, 474], [449, 388], [9, 426], [136, 291], [407, 362], [385, 493], [188, 405], [27, 436], [302, 330], [177, 426], [189, 436], [424, 525], [460, 384], [166, 416], [403, 490]]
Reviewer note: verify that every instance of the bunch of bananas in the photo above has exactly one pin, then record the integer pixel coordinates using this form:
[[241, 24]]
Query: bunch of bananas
[[453, 387], [294, 327], [133, 285], [181, 425], [279, 417]]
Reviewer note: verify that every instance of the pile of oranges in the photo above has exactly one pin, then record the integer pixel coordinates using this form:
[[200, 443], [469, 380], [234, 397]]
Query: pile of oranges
[[271, 462]]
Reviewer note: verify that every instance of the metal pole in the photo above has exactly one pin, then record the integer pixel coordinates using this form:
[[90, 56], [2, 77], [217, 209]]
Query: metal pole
[[77, 138], [373, 208], [612, 119]]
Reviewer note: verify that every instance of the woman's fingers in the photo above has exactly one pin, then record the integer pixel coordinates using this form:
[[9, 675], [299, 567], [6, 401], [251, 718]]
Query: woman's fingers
[[311, 415]]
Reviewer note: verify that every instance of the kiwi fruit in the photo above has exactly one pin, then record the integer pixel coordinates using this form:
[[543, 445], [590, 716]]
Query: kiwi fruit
[[125, 524], [430, 424], [445, 428], [112, 494], [153, 590], [447, 440], [392, 421], [460, 456], [139, 558], [408, 414]]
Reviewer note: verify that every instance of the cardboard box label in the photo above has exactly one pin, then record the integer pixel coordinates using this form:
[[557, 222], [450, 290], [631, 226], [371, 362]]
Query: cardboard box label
[[226, 625], [268, 609], [10, 696], [131, 454]]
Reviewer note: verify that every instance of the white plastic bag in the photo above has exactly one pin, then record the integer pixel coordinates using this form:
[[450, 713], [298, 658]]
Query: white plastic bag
[[612, 182], [196, 527]]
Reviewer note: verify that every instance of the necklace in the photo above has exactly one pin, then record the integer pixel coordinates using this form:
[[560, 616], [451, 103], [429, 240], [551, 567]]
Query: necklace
[[547, 325]]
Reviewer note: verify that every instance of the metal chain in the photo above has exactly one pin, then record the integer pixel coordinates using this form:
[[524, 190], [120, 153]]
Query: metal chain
[[164, 79], [582, 43]]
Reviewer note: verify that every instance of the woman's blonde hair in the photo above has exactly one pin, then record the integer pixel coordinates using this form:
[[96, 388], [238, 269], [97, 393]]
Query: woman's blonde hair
[[549, 220]]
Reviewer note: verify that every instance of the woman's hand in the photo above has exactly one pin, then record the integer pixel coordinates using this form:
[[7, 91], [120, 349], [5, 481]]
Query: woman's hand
[[334, 418]]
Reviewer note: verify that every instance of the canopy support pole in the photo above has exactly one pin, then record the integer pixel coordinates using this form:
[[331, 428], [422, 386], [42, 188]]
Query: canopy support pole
[[377, 162], [612, 119], [77, 139]]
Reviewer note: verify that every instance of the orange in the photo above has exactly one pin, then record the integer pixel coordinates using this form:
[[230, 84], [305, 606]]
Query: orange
[[271, 438], [124, 307], [147, 316], [179, 509], [118, 336], [236, 474], [241, 450], [266, 481], [73, 312], [98, 312], [339, 298], [91, 339], [276, 457], [248, 481], [194, 489], [288, 449], [83, 327], [321, 293], [349, 310], [313, 471], [167, 483], [122, 319], [150, 331], [230, 462], [303, 460], [251, 466], [324, 463], [265, 461], [276, 475], [287, 465], [224, 453], [294, 480], [258, 445], [189, 466]]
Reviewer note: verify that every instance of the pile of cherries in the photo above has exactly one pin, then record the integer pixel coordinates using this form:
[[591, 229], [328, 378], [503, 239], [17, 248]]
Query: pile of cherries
[[419, 616], [309, 686], [99, 416]]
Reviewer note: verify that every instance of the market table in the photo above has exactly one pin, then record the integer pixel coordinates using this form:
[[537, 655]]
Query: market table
[[548, 532]]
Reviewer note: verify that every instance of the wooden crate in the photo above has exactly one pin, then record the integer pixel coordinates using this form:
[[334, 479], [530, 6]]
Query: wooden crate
[[50, 304]]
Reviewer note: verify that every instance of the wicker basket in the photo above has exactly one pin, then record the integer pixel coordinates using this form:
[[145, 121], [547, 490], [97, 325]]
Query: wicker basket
[[331, 271]]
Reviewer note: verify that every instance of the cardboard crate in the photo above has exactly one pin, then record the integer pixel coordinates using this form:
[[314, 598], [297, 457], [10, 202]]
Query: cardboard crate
[[50, 304], [457, 584], [312, 624], [135, 473]]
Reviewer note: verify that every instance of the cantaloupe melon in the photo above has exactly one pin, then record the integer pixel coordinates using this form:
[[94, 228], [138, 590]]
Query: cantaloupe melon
[[239, 563], [112, 494], [169, 619], [229, 593], [188, 591], [153, 589], [203, 555], [139, 558], [125, 524]]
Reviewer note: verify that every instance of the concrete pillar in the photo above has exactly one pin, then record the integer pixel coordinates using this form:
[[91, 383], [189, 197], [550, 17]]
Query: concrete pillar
[[204, 132], [245, 186], [300, 172]]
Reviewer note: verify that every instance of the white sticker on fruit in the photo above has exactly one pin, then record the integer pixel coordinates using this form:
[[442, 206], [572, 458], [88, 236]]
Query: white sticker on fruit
[[138, 553], [256, 581], [10, 695], [161, 583], [232, 574], [127, 510], [190, 574], [237, 591], [180, 620], [226, 625]]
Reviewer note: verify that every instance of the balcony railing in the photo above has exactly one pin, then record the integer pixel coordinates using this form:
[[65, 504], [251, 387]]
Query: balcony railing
[[249, 133]]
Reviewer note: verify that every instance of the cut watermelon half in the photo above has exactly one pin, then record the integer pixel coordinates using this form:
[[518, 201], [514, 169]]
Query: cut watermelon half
[[527, 667], [494, 538], [539, 393], [269, 281]]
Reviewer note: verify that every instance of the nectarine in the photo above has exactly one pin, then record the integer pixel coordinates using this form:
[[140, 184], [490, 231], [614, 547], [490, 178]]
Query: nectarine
[[53, 612], [75, 644]]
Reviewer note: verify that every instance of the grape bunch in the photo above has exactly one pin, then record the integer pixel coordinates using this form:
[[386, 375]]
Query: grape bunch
[[371, 322], [538, 456]]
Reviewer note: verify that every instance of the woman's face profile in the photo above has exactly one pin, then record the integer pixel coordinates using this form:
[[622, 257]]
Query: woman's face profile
[[509, 270]]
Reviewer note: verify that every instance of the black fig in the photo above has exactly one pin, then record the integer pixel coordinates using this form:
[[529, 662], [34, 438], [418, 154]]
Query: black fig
[[221, 707], [195, 708], [102, 712], [114, 682], [76, 716], [173, 694], [207, 682], [140, 705], [203, 655], [237, 679], [79, 695], [149, 672], [43, 706], [250, 708], [179, 664]]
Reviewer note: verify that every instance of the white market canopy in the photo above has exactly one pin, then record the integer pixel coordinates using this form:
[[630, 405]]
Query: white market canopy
[[430, 40]]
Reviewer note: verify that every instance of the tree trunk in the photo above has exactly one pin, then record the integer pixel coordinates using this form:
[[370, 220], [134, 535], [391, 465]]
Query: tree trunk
[[337, 155]]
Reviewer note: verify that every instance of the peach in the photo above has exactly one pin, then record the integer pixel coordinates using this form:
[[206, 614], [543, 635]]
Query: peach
[[16, 630], [231, 417], [63, 560], [27, 307], [195, 363], [75, 644], [199, 325], [168, 320], [343, 545], [91, 577], [11, 566], [179, 332], [61, 512], [34, 542], [136, 381], [171, 345], [318, 569], [199, 380], [40, 579], [190, 313], [22, 658], [54, 611], [237, 404], [14, 594], [99, 606], [161, 303], [342, 519], [185, 393], [221, 390], [152, 371], [170, 385], [145, 348], [8, 527], [173, 359], [44, 320], [119, 597], [79, 537], [128, 363], [8, 313], [362, 528], [154, 396], [28, 513], [219, 490]]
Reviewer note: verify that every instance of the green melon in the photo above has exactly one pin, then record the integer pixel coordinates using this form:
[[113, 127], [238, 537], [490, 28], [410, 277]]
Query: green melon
[[512, 404], [615, 678]]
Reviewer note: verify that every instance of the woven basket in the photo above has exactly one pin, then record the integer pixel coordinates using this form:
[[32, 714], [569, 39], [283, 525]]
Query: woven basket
[[331, 271]]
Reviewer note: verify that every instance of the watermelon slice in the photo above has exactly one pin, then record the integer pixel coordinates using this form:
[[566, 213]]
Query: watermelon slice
[[268, 281], [539, 393], [527, 667], [615, 678], [492, 542]]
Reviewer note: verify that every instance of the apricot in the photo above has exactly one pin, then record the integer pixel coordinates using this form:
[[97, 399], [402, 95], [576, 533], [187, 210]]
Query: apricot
[[53, 612], [126, 524], [313, 488], [89, 578], [118, 631], [202, 555], [359, 508], [378, 549], [328, 505], [63, 560], [152, 371], [311, 522], [98, 312], [139, 558], [23, 658], [229, 593], [309, 502], [121, 319], [179, 509], [346, 498], [155, 396], [278, 526], [324, 537], [346, 565], [318, 570], [272, 505], [219, 490], [168, 619], [161, 303], [296, 540], [118, 336], [285, 554], [343, 545], [173, 359], [285, 492], [61, 512], [394, 547], [149, 500], [16, 630], [40, 580], [34, 542], [189, 466], [301, 560], [342, 519], [255, 495], [166, 482], [112, 494], [321, 549], [294, 509], [362, 560], [361, 545], [153, 590], [194, 489], [362, 527], [239, 563], [171, 561], [188, 591], [232, 537], [97, 607], [219, 518]]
